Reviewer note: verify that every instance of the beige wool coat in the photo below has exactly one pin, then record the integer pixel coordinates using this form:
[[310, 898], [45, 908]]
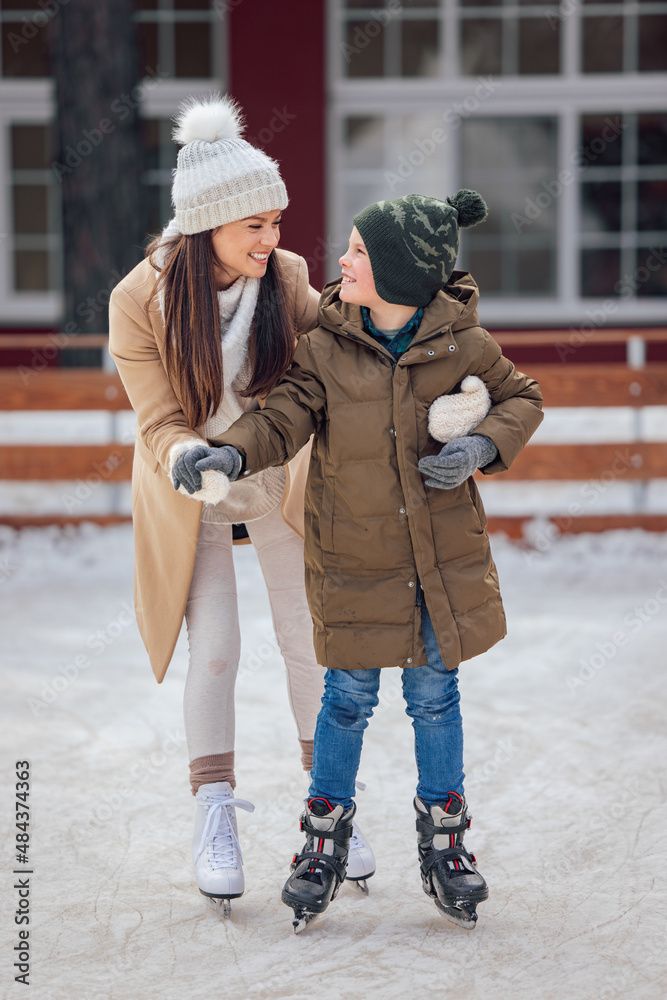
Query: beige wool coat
[[166, 523], [374, 529]]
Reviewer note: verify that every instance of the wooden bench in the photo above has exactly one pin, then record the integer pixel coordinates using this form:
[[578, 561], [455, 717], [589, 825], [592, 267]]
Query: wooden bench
[[575, 385]]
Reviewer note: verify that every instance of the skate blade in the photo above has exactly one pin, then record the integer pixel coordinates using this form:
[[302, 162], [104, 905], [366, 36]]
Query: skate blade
[[302, 919], [360, 883], [223, 907], [461, 916]]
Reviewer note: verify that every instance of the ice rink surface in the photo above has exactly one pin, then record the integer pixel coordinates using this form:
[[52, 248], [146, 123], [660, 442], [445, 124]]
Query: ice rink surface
[[565, 727]]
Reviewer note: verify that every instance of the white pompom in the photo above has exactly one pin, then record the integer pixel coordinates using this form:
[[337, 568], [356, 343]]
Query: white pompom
[[208, 119], [455, 415]]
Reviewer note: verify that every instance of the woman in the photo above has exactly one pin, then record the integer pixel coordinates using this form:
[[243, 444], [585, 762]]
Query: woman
[[233, 305]]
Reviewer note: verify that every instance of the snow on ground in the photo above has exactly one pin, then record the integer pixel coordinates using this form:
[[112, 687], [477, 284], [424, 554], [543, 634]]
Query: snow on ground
[[565, 753]]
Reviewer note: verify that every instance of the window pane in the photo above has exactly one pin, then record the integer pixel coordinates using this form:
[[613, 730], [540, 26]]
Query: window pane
[[30, 209], [363, 51], [535, 271], [148, 54], [601, 140], [484, 265], [512, 144], [19, 5], [652, 139], [31, 271], [155, 221], [364, 142], [481, 46], [652, 205], [651, 272], [512, 163], [23, 56], [601, 207], [31, 147], [602, 44], [419, 48], [539, 45], [193, 50], [357, 196], [370, 6], [600, 271], [652, 43], [150, 133]]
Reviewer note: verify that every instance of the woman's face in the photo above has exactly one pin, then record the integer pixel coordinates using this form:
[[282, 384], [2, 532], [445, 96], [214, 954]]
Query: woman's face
[[358, 284], [243, 247]]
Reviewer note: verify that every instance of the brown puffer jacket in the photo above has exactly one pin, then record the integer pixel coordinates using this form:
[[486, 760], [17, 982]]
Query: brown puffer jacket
[[373, 527]]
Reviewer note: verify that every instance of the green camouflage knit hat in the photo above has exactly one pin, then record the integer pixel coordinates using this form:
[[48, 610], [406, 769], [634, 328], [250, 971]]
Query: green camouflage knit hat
[[413, 241]]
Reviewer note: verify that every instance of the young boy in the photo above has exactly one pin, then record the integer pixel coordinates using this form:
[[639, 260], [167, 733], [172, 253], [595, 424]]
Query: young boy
[[398, 564]]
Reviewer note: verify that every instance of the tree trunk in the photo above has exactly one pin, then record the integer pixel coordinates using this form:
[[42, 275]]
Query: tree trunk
[[99, 159]]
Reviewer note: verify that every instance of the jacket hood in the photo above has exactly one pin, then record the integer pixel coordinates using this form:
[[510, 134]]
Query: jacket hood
[[454, 306]]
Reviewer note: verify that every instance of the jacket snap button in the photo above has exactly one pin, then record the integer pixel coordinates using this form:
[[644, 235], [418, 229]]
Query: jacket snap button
[[391, 430], [411, 584], [409, 659], [404, 358], [452, 347], [401, 510], [431, 353]]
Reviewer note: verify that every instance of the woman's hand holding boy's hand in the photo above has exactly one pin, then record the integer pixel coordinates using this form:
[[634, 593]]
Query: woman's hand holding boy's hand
[[226, 459], [188, 468], [457, 460]]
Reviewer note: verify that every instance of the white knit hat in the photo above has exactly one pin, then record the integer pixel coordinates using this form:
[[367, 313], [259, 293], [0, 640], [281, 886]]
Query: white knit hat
[[219, 176]]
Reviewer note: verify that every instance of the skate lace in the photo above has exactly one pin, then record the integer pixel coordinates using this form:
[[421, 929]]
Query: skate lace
[[224, 850]]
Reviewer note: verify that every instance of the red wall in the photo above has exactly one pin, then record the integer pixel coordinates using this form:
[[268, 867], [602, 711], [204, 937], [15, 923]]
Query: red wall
[[277, 73]]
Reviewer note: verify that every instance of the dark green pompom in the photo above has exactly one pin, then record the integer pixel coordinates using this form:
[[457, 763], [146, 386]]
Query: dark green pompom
[[470, 206]]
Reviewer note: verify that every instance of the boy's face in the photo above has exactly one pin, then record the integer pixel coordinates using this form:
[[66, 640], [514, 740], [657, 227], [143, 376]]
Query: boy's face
[[358, 284]]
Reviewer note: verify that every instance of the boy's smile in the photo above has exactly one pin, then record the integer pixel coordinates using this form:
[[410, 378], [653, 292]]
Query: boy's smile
[[358, 285]]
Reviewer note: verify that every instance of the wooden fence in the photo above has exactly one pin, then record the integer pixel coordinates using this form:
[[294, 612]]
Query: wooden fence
[[572, 385]]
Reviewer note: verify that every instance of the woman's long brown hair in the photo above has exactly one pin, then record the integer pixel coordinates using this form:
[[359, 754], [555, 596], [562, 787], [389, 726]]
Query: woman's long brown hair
[[187, 287]]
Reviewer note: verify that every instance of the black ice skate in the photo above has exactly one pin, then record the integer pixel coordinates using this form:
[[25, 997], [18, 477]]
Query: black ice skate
[[319, 870], [449, 872]]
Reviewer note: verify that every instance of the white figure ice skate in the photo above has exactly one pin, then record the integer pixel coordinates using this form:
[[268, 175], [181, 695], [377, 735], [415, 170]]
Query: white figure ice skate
[[360, 860], [216, 851]]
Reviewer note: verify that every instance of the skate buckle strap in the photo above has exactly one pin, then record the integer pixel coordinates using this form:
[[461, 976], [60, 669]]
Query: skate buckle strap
[[450, 854], [340, 835], [337, 865], [428, 827]]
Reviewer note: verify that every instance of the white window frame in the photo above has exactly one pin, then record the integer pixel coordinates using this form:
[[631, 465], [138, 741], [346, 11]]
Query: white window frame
[[29, 101], [565, 96]]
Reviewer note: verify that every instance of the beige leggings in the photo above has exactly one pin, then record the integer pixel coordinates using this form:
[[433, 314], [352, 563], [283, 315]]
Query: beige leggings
[[215, 642]]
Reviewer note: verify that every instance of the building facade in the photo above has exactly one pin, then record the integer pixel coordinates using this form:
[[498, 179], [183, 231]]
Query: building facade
[[555, 112]]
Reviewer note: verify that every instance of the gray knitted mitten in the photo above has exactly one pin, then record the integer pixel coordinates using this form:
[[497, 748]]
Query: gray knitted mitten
[[457, 461], [188, 467], [226, 459], [184, 471]]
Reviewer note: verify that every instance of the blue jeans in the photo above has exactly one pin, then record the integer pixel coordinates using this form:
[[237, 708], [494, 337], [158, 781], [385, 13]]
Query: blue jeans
[[432, 701]]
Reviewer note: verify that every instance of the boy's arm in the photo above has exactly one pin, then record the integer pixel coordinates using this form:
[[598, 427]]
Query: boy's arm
[[516, 412], [293, 411]]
